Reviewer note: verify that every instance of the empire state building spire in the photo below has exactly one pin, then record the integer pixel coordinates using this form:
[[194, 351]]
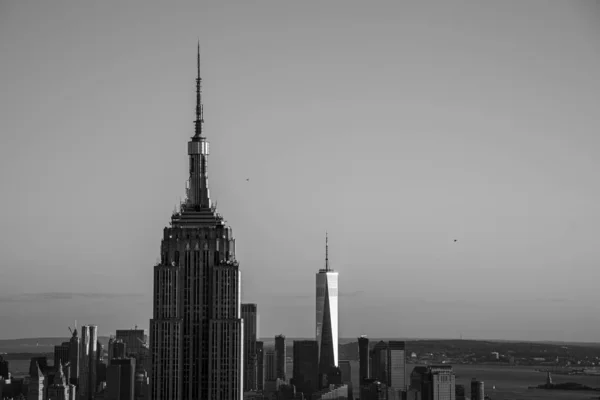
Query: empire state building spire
[[198, 196], [199, 107]]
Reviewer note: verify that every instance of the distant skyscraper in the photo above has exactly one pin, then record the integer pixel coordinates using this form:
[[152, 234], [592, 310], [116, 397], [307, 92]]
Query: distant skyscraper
[[93, 361], [87, 362], [196, 334], [388, 364], [116, 349], [397, 365], [3, 368], [346, 370], [270, 367], [36, 383], [250, 317], [306, 366], [59, 390], [379, 362], [280, 356], [260, 365], [327, 315], [120, 379], [133, 339], [433, 382], [363, 357], [477, 390], [74, 356], [61, 353]]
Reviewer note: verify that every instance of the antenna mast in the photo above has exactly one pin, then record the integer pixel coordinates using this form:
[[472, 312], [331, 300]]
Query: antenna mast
[[326, 252]]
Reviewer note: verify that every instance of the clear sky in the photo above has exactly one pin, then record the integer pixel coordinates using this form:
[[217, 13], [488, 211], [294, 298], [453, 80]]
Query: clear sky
[[395, 126]]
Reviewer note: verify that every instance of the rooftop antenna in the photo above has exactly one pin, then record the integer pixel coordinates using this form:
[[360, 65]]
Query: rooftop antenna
[[326, 252]]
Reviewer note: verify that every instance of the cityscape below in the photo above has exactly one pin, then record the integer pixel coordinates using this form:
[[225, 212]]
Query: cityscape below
[[204, 343]]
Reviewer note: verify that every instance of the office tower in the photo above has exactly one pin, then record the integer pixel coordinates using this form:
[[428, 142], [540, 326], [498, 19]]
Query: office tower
[[388, 364], [306, 366], [133, 339], [120, 379], [379, 362], [196, 334], [363, 357], [260, 365], [250, 318], [59, 390], [84, 364], [327, 315], [346, 371], [36, 382], [280, 357], [3, 368], [477, 390], [99, 352], [87, 362], [397, 365], [116, 349], [61, 353], [93, 329], [74, 355], [270, 368], [433, 382]]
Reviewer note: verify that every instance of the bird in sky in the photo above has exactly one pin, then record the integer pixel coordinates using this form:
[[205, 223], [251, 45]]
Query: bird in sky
[[247, 179], [455, 240]]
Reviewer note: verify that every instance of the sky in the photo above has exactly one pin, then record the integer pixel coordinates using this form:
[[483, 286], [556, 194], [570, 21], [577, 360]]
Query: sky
[[396, 127]]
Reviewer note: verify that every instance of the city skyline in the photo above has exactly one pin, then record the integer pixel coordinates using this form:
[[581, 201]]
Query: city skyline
[[458, 122]]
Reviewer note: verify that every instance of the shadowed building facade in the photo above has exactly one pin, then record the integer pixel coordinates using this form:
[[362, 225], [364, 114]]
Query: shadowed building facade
[[260, 365], [327, 315], [196, 334], [280, 357], [363, 358], [306, 366], [250, 318]]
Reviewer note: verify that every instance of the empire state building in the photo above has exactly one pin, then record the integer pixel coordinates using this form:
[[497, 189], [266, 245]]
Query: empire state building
[[196, 331]]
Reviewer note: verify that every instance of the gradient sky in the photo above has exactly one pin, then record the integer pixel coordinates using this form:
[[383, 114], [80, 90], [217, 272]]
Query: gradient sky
[[395, 126]]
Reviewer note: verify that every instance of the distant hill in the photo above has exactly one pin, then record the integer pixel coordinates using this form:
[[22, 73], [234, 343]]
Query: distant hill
[[38, 345]]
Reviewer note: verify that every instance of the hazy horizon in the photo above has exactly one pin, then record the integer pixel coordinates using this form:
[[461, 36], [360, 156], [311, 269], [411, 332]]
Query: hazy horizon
[[397, 128]]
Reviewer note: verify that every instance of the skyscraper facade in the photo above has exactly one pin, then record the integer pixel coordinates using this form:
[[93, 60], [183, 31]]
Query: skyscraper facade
[[260, 365], [280, 356], [196, 334], [306, 366], [363, 358], [83, 391], [397, 365], [250, 317], [74, 356], [120, 383], [270, 367], [61, 353], [133, 339], [3, 368], [327, 315]]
